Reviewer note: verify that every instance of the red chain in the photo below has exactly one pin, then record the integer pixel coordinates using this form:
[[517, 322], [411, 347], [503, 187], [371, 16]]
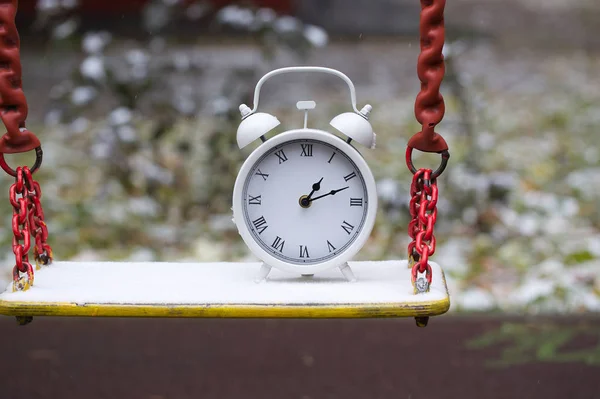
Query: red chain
[[20, 226], [13, 103], [27, 221], [429, 111], [423, 212], [25, 193]]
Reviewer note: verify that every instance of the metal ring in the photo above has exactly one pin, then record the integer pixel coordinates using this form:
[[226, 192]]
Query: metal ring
[[38, 162], [445, 157]]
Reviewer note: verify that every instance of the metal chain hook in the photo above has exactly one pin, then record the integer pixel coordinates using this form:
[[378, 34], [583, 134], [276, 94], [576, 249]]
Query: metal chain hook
[[443, 164], [39, 155]]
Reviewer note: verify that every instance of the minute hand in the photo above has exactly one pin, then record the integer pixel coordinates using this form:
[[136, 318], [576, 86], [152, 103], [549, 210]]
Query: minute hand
[[332, 192]]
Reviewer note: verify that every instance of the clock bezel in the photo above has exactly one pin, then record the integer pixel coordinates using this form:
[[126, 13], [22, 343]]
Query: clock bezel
[[341, 145]]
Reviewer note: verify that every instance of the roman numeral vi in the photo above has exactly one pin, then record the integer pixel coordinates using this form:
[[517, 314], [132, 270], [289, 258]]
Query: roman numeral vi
[[304, 252]]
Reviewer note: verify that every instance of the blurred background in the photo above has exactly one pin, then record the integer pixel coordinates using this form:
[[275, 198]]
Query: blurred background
[[136, 103]]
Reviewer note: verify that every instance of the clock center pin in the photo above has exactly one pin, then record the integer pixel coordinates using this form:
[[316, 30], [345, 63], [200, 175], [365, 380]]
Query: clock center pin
[[304, 201]]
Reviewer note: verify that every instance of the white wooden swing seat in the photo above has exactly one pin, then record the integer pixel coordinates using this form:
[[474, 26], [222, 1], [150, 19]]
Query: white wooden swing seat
[[223, 290]]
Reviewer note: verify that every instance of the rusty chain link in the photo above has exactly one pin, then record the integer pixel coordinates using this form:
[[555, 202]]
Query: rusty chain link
[[13, 104], [429, 104], [429, 111]]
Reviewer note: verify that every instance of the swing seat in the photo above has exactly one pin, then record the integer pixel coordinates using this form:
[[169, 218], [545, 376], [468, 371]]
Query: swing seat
[[223, 290]]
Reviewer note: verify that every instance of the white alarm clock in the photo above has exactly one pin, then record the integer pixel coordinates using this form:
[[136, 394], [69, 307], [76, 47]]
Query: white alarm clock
[[305, 200]]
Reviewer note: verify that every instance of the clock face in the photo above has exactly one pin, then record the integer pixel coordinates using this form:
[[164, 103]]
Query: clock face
[[305, 201]]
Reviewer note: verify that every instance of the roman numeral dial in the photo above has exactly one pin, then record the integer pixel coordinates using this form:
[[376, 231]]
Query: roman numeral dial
[[330, 247], [281, 156], [307, 150], [254, 200], [348, 228], [304, 252], [260, 224], [263, 175], [356, 202], [278, 244], [350, 176], [303, 202]]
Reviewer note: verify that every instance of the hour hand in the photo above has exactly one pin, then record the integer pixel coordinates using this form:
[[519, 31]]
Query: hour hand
[[332, 192], [315, 187], [305, 199]]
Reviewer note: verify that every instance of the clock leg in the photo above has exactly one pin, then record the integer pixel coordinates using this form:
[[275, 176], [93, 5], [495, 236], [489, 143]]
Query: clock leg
[[263, 273], [347, 272]]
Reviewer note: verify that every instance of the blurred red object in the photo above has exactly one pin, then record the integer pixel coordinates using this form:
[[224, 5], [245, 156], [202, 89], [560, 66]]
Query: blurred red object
[[130, 6]]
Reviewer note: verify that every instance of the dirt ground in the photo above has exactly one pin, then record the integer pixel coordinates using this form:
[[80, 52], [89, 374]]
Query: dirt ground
[[303, 359]]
